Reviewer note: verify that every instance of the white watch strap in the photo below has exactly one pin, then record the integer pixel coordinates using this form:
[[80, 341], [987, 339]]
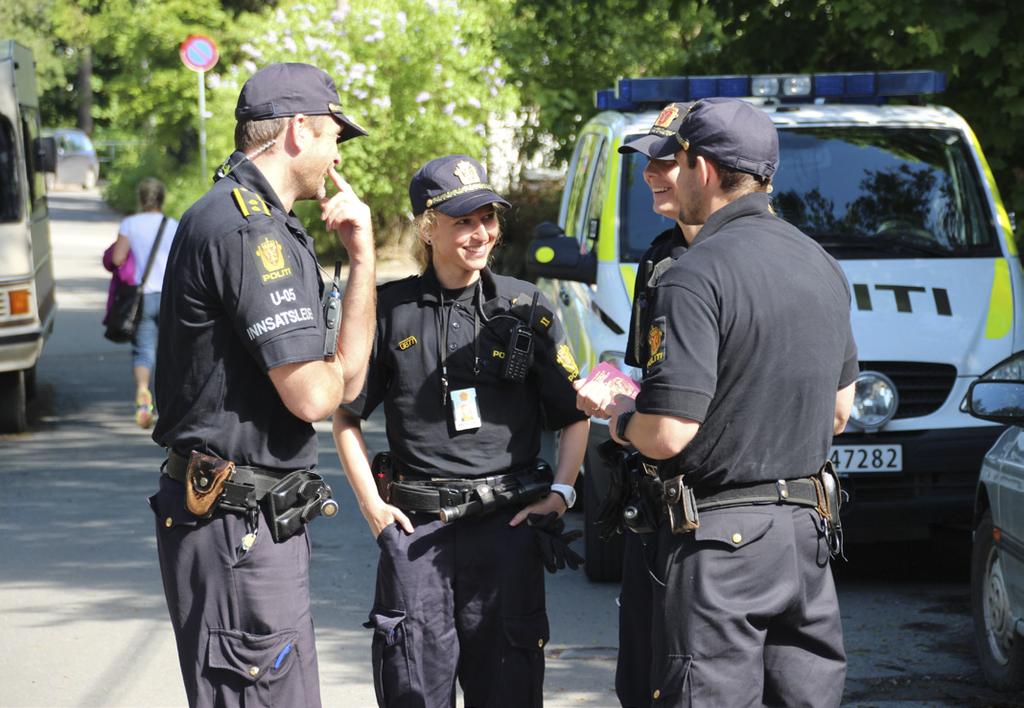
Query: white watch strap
[[566, 492]]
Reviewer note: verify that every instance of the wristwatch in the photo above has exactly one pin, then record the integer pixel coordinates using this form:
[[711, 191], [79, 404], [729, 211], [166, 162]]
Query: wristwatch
[[622, 424], [567, 493]]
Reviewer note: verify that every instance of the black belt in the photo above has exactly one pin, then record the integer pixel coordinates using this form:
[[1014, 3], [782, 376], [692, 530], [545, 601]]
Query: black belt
[[260, 479], [802, 492], [432, 495]]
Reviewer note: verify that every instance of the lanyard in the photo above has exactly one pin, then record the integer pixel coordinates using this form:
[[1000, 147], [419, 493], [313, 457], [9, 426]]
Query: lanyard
[[440, 322]]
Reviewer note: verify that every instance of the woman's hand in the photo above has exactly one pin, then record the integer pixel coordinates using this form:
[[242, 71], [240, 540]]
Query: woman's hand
[[552, 502], [380, 515]]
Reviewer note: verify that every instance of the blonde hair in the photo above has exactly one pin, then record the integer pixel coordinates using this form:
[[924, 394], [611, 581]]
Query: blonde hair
[[424, 225]]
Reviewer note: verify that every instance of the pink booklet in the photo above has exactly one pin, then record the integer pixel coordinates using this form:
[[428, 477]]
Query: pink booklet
[[614, 379]]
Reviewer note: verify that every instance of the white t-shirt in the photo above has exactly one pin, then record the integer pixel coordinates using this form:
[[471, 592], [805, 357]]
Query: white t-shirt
[[140, 229]]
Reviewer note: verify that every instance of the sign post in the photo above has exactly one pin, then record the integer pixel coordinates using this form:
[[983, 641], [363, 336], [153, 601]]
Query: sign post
[[199, 53]]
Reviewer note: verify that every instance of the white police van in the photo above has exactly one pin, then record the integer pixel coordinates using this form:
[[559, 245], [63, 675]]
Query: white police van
[[902, 196]]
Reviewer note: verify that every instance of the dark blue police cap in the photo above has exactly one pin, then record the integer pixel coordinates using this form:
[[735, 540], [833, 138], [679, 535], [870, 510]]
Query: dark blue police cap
[[281, 90], [455, 185], [662, 136], [730, 131]]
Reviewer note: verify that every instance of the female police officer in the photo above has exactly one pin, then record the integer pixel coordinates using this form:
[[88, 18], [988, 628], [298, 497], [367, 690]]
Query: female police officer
[[469, 366]]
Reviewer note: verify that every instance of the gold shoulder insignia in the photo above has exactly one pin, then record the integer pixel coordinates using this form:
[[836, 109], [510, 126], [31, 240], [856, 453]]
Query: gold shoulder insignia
[[408, 342], [249, 203], [565, 359]]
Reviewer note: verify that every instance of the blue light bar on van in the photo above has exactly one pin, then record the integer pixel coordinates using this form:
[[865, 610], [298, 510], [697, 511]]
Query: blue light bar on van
[[634, 94]]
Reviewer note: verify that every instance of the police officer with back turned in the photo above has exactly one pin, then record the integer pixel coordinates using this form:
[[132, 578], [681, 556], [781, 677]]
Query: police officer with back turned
[[251, 352], [750, 373]]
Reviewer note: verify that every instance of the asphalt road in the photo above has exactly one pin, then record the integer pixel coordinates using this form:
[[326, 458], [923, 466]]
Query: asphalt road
[[82, 615]]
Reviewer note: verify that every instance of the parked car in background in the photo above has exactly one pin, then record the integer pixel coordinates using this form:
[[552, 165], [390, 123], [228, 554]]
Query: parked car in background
[[77, 163], [997, 561]]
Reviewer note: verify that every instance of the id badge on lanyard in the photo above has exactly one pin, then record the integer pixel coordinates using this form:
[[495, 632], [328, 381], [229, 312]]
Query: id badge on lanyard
[[465, 410]]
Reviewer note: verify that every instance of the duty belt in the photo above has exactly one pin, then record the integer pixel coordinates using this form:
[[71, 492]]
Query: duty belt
[[454, 498], [258, 479], [683, 503]]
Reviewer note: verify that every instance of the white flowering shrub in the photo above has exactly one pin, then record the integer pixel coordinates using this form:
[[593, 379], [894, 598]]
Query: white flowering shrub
[[421, 76]]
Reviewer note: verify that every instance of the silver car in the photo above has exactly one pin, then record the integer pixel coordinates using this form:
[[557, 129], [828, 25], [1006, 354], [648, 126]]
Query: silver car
[[997, 561], [76, 159]]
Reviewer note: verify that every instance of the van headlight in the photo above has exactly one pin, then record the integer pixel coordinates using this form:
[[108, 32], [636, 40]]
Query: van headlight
[[875, 401]]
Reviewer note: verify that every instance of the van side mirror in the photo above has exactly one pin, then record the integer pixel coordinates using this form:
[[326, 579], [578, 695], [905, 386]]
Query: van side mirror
[[46, 154], [999, 401], [552, 254]]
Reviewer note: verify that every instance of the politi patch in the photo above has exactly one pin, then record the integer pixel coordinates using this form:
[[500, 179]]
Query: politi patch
[[656, 342]]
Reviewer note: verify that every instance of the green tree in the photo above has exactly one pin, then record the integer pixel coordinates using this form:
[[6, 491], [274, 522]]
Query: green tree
[[562, 51]]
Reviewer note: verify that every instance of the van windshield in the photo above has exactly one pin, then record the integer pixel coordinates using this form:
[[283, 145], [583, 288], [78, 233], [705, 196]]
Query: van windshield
[[9, 197], [862, 192]]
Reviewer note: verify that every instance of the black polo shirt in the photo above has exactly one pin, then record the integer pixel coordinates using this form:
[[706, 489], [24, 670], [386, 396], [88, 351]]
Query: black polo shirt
[[667, 245], [241, 295], [750, 336], [414, 333]]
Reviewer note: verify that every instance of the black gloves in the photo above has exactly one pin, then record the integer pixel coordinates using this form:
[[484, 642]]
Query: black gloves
[[553, 542]]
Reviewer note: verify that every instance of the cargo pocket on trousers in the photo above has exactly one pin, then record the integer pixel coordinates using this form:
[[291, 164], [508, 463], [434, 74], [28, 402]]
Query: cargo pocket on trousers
[[734, 529], [392, 676], [522, 666], [673, 686], [264, 664]]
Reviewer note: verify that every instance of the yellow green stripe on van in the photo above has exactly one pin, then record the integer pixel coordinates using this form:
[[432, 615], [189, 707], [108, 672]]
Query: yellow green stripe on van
[[1001, 216], [629, 278], [1000, 304], [610, 209]]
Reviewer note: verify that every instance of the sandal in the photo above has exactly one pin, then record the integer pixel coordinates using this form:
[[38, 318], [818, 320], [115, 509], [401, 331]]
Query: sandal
[[144, 408]]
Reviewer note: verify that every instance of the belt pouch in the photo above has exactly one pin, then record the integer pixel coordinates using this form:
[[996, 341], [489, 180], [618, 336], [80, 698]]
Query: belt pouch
[[383, 475], [830, 500], [294, 501], [681, 506], [204, 482]]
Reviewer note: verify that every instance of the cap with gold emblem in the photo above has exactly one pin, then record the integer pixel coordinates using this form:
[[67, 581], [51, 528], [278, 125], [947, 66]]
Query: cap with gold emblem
[[662, 135], [455, 185], [732, 132], [281, 90]]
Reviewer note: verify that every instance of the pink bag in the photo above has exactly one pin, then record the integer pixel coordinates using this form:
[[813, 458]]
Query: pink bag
[[123, 274]]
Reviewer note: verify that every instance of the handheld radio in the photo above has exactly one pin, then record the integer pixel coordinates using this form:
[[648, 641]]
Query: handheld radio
[[332, 314], [520, 348]]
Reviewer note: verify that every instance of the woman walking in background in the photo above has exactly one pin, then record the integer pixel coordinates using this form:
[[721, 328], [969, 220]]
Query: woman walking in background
[[137, 235]]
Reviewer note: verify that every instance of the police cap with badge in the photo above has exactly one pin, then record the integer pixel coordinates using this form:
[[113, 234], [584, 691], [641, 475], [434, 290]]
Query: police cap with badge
[[730, 131], [455, 185]]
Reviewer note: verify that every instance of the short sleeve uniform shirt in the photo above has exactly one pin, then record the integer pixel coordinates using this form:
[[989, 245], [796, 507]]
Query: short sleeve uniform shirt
[[750, 336], [416, 332], [242, 295]]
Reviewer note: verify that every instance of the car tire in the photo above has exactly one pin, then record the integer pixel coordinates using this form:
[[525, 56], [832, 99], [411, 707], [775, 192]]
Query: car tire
[[1000, 646], [89, 181], [13, 415], [603, 559]]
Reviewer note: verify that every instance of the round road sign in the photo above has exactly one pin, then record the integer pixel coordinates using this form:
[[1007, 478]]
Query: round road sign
[[198, 52]]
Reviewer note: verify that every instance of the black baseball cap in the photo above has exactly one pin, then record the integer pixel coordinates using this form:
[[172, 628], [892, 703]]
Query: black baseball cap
[[662, 135], [281, 90], [455, 185], [732, 132]]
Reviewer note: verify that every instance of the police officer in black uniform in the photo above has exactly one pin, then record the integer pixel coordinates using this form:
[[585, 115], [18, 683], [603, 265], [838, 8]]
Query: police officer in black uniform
[[470, 367], [632, 672], [241, 376], [750, 374]]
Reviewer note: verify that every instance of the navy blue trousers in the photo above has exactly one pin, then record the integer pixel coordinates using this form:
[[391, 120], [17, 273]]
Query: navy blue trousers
[[459, 601], [746, 613], [241, 618]]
